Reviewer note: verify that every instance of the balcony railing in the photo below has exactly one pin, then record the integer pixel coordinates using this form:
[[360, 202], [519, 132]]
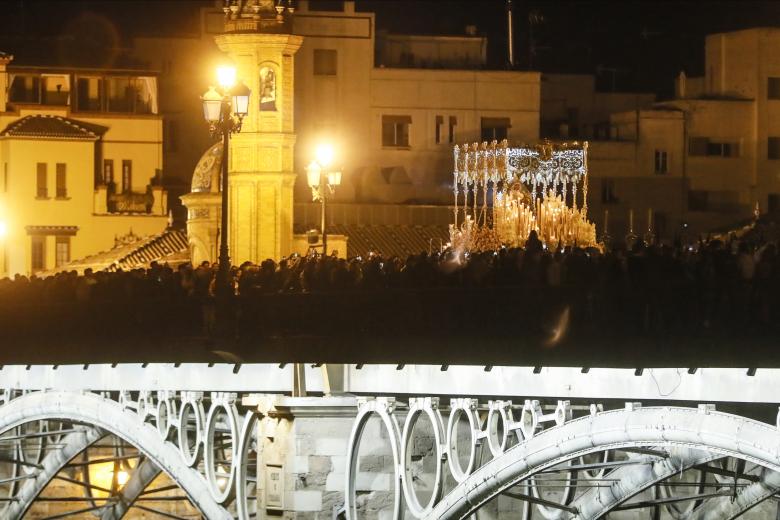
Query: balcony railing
[[130, 202]]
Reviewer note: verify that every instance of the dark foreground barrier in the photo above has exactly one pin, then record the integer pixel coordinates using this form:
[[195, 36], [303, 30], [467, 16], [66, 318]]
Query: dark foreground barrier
[[563, 326]]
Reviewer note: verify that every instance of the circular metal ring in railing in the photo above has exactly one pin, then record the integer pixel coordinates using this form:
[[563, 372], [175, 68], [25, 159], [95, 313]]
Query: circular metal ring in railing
[[417, 408], [383, 408]]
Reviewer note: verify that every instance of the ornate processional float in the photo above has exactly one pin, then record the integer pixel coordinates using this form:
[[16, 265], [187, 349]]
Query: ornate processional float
[[503, 193]]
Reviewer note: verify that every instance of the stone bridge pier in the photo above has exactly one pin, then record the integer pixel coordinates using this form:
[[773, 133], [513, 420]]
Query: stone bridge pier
[[386, 442]]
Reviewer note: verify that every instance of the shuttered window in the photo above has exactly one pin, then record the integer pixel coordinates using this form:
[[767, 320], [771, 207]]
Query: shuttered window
[[41, 190], [62, 181]]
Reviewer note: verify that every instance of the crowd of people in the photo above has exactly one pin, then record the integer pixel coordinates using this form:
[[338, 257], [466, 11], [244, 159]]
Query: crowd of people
[[647, 287]]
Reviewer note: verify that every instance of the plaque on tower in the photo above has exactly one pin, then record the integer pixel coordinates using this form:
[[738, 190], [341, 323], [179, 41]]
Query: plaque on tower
[[267, 89]]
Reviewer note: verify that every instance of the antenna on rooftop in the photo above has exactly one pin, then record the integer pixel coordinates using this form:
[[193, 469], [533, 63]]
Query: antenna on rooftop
[[510, 34]]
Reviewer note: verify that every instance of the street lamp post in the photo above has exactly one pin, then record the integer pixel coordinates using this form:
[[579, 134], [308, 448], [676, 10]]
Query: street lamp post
[[3, 250], [323, 184], [225, 110]]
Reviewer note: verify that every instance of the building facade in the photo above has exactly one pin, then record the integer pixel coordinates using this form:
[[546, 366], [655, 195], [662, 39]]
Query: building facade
[[707, 158], [393, 127], [81, 159], [393, 122], [395, 104]]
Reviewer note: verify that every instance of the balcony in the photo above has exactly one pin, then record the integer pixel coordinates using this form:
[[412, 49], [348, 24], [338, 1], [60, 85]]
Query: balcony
[[153, 201], [120, 92]]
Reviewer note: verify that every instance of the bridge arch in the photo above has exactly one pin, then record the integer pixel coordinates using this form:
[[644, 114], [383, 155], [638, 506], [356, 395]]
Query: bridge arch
[[94, 410], [73, 444], [670, 427]]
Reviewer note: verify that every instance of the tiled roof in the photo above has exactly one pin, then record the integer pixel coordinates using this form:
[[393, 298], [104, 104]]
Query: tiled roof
[[52, 230], [390, 240], [169, 246], [53, 127]]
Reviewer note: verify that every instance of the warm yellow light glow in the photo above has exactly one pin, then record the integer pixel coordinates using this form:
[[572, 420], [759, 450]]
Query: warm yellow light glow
[[222, 480], [226, 76], [102, 475], [313, 171], [325, 154], [3, 229], [121, 478]]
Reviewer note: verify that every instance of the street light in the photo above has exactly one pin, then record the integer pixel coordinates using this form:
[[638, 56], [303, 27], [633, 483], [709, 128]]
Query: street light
[[323, 183], [224, 110]]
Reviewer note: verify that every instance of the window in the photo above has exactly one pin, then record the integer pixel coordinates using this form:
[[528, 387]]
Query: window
[[395, 131], [62, 181], [108, 172], [661, 164], [773, 148], [439, 124], [722, 149], [703, 147], [495, 128], [325, 62], [451, 130], [773, 88], [38, 253], [62, 251], [129, 94], [88, 93], [25, 88], [41, 191], [608, 195], [127, 176], [55, 89], [120, 94]]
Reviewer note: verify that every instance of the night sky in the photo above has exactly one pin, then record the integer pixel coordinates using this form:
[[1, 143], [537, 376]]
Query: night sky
[[630, 45]]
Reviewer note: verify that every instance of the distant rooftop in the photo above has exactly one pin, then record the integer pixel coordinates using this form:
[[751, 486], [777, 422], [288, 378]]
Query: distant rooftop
[[53, 127]]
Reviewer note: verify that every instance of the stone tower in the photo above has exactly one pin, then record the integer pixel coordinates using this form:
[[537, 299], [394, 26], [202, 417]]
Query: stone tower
[[258, 41]]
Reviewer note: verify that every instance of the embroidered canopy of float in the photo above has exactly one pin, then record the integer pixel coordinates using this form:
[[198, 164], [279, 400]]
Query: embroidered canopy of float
[[503, 193]]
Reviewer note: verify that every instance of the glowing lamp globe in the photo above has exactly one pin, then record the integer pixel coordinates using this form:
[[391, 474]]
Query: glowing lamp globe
[[313, 171], [226, 77], [334, 178], [240, 97], [212, 105], [325, 154]]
